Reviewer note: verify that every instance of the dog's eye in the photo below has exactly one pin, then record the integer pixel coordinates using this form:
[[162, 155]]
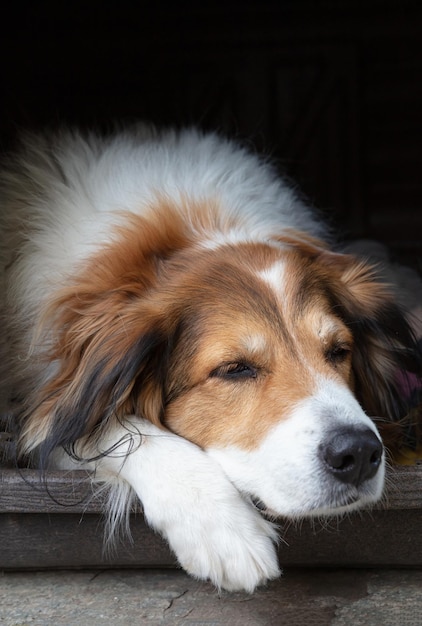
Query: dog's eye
[[235, 371], [338, 353]]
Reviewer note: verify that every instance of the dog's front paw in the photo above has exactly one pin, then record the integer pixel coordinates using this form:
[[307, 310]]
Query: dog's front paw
[[214, 533], [228, 543]]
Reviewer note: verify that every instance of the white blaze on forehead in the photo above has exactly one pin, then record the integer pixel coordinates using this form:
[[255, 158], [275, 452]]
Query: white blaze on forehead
[[254, 343], [274, 275]]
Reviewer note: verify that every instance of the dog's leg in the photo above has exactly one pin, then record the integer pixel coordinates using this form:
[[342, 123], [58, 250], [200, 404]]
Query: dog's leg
[[214, 533]]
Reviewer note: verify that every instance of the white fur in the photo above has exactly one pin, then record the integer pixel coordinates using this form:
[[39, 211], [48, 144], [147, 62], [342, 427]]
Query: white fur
[[273, 276]]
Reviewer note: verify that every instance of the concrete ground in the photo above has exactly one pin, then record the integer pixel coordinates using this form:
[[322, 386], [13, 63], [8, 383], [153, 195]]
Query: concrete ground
[[170, 598]]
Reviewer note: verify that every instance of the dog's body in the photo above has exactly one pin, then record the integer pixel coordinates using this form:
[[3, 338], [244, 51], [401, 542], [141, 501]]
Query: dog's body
[[174, 322]]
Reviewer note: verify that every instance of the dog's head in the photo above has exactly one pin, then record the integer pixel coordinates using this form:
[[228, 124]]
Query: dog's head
[[272, 356]]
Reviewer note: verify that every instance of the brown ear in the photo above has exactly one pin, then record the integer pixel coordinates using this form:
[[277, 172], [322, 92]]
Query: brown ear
[[107, 337], [385, 349], [108, 365]]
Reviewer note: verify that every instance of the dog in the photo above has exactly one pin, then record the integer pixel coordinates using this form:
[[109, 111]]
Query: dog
[[179, 321]]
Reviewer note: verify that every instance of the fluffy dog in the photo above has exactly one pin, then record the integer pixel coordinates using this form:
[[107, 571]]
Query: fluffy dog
[[177, 320]]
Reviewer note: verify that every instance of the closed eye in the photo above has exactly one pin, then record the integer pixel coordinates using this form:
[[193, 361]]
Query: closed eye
[[235, 371]]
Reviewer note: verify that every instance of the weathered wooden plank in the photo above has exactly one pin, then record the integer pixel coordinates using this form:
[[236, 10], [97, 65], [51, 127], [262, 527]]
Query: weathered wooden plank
[[372, 539], [404, 488], [67, 540], [379, 538], [25, 491]]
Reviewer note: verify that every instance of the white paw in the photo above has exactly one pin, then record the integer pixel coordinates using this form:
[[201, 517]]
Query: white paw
[[227, 542], [214, 533]]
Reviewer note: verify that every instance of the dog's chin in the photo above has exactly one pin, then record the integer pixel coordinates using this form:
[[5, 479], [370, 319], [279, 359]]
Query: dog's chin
[[340, 504]]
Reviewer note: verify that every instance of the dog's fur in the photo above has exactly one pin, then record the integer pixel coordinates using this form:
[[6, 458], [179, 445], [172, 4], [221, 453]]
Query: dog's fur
[[177, 320]]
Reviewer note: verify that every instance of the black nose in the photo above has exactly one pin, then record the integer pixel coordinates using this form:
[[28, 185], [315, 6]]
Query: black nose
[[351, 455]]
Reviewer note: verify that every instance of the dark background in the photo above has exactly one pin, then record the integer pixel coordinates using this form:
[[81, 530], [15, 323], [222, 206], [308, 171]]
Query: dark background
[[331, 89]]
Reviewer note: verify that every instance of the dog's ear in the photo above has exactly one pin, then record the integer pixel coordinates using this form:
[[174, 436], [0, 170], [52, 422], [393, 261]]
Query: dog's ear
[[385, 348], [108, 365], [387, 359], [107, 334]]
